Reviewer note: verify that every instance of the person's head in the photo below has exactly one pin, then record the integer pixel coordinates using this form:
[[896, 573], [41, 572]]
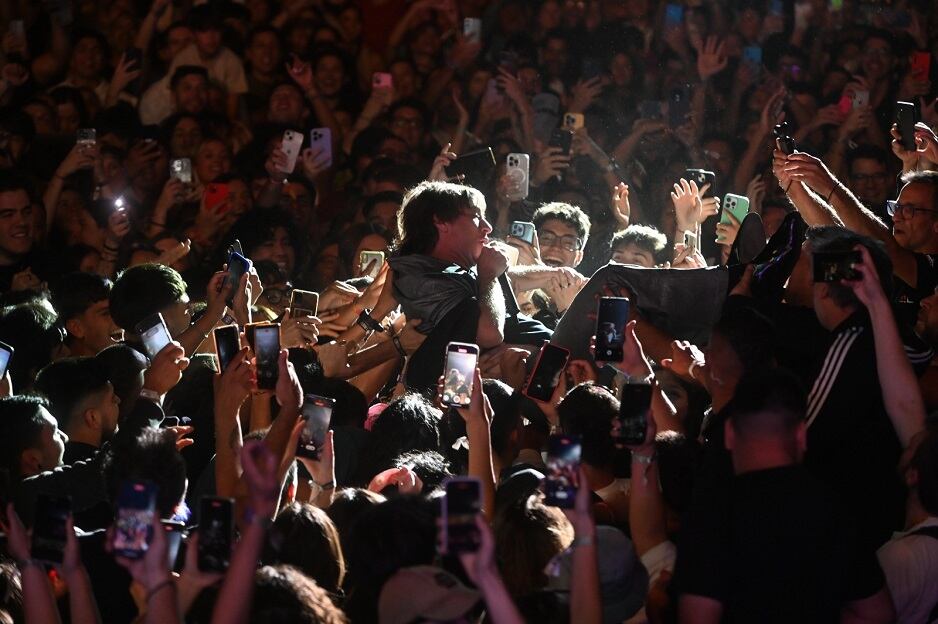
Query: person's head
[[528, 534], [150, 455], [16, 218], [766, 426], [506, 420], [879, 55], [588, 411], [304, 537], [347, 506], [382, 208], [125, 367], [44, 116], [742, 340], [834, 301], [638, 244], [206, 26], [287, 106], [404, 77], [284, 594], [81, 398], [409, 119], [269, 235], [178, 37], [69, 109], [329, 72], [89, 51], [356, 239], [212, 160], [83, 305], [409, 423], [37, 339], [926, 325], [30, 439], [919, 468], [868, 166], [562, 230], [915, 222], [146, 289], [184, 134], [427, 594], [430, 467], [264, 52], [189, 87], [444, 220]]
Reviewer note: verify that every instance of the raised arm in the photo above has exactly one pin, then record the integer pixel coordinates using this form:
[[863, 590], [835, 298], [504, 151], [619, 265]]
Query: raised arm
[[38, 601]]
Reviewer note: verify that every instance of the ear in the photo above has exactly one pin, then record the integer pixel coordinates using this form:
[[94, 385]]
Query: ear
[[578, 258], [729, 435], [30, 462], [91, 418], [75, 328]]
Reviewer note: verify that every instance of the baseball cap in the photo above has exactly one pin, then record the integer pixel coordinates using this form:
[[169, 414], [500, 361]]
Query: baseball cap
[[424, 592]]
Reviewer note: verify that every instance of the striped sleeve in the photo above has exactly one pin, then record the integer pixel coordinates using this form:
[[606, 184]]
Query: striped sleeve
[[833, 362]]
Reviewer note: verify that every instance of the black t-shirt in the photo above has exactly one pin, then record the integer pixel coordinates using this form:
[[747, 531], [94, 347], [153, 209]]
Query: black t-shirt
[[110, 583], [926, 275]]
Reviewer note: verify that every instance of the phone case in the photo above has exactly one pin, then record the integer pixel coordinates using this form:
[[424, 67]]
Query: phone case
[[6, 354], [181, 169], [518, 172], [215, 196], [86, 136], [472, 28], [381, 80], [320, 140], [905, 120], [860, 99], [368, 257], [736, 205], [291, 144], [573, 121], [536, 388], [522, 230], [921, 65]]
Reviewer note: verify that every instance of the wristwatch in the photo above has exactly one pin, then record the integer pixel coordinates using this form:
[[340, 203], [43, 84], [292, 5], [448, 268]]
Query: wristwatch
[[367, 323]]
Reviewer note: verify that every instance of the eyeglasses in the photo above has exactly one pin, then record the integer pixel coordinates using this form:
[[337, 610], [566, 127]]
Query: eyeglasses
[[570, 243], [906, 210], [275, 296], [868, 177]]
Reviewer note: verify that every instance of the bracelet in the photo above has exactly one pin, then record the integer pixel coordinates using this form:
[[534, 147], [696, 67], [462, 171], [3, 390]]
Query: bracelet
[[160, 586], [397, 345], [367, 323], [829, 195]]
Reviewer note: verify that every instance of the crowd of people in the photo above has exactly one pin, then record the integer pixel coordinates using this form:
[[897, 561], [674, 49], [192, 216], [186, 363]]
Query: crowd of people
[[379, 179]]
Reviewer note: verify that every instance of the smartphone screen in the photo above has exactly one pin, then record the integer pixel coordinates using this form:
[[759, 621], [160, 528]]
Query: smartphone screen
[[611, 317], [215, 196], [267, 354], [175, 531], [216, 531], [563, 466], [634, 404], [133, 527], [238, 265], [49, 529], [546, 375], [370, 262], [181, 169], [317, 412], [458, 373], [6, 352], [460, 506], [227, 345], [320, 139], [303, 303], [154, 334]]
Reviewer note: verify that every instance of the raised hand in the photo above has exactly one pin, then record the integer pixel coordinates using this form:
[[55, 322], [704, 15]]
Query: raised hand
[[261, 468], [711, 57], [688, 206], [621, 209], [441, 162]]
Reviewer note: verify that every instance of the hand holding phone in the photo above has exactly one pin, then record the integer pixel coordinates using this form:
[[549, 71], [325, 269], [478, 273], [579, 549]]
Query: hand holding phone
[[267, 355], [611, 317], [133, 526], [459, 507], [563, 471], [551, 362], [216, 533], [317, 412], [227, 345], [631, 424], [303, 303], [153, 334], [458, 373]]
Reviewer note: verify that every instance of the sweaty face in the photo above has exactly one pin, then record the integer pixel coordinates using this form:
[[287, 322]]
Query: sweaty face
[[631, 253], [918, 232], [16, 225], [560, 244]]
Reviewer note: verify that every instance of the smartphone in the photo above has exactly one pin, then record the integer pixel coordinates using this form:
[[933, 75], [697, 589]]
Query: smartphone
[[236, 246], [49, 529], [860, 98], [673, 15], [175, 532], [216, 533], [679, 106], [573, 121], [920, 64], [133, 526], [611, 316], [561, 138], [551, 362], [786, 144], [906, 117], [522, 230], [317, 414], [459, 507], [267, 355], [227, 345], [381, 80], [181, 169], [154, 334], [629, 427], [238, 265], [834, 266], [458, 373], [472, 29], [303, 303], [249, 332], [649, 109], [518, 169], [86, 137], [476, 167], [701, 177], [373, 258], [215, 195], [690, 242], [6, 352], [290, 145], [563, 470], [320, 139], [736, 205]]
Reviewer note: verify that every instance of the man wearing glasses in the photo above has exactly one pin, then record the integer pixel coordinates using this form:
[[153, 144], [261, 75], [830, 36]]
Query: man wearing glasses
[[562, 231], [870, 179]]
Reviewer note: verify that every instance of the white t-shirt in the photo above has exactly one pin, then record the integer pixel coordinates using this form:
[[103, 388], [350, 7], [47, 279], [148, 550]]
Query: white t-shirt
[[225, 69], [911, 567]]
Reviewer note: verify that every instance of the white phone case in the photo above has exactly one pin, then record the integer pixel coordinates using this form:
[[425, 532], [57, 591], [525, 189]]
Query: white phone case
[[518, 171], [292, 142]]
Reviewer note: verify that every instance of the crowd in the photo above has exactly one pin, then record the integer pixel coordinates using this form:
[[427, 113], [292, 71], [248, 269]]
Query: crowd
[[468, 310]]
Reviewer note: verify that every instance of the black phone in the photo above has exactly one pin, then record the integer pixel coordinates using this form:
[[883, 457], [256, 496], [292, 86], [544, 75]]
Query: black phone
[[216, 532], [133, 526], [49, 528], [634, 405], [701, 177], [563, 470], [267, 355], [154, 334], [458, 373], [561, 138], [679, 106], [551, 361], [786, 144], [611, 316], [459, 508], [6, 353], [474, 167], [834, 266], [227, 345], [238, 265], [317, 412], [906, 118]]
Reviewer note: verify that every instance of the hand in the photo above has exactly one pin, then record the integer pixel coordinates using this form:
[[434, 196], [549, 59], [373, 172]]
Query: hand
[[711, 57], [512, 88], [71, 556], [927, 143], [18, 540], [289, 391], [333, 357], [118, 226], [125, 73], [322, 470], [492, 262], [463, 52], [25, 280], [688, 207], [858, 120], [772, 113], [585, 92], [181, 431], [217, 292], [235, 384], [687, 257], [683, 354], [867, 288], [621, 209], [480, 565], [826, 116], [261, 468], [142, 155], [581, 371], [580, 516], [300, 332], [166, 369], [405, 479], [909, 158], [191, 575], [726, 232], [505, 363], [564, 287], [78, 158], [634, 363], [779, 164], [276, 164], [6, 385], [152, 569], [336, 295], [441, 162], [173, 192], [175, 253], [302, 75], [528, 254], [812, 171], [549, 164], [243, 298], [314, 162], [479, 409]]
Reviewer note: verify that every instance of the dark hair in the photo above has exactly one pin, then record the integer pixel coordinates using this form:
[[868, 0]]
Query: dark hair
[[143, 290], [12, 181], [347, 506], [866, 151], [750, 334], [31, 329], [416, 104], [21, 424], [283, 594], [929, 178], [528, 534], [431, 467], [187, 70], [256, 227], [645, 237], [71, 95], [149, 455], [834, 238], [68, 383], [87, 33], [677, 459], [925, 462], [73, 293], [384, 197], [305, 537], [124, 364], [767, 402], [566, 213], [442, 201], [409, 423], [506, 413], [587, 411]]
